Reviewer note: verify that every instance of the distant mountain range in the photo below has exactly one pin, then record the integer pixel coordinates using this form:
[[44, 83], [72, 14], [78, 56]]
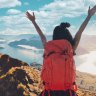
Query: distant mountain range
[[29, 46], [35, 43], [23, 39], [87, 42]]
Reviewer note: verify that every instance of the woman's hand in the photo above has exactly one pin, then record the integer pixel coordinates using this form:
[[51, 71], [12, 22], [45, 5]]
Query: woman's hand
[[77, 37], [91, 11], [30, 17]]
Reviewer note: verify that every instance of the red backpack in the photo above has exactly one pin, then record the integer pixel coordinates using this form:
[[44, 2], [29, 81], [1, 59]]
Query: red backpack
[[58, 71]]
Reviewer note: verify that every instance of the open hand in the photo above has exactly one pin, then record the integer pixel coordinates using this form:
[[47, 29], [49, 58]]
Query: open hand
[[91, 11], [30, 17]]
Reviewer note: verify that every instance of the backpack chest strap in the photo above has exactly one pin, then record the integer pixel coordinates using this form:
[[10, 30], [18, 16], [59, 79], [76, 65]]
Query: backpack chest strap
[[64, 52]]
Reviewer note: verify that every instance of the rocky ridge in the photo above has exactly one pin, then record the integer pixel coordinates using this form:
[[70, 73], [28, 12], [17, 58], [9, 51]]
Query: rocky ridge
[[17, 78]]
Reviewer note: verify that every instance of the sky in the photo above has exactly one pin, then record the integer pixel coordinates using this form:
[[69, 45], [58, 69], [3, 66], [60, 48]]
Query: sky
[[49, 13]]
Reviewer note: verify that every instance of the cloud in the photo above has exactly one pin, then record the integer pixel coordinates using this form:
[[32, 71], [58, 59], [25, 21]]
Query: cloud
[[65, 8], [13, 11], [16, 24], [47, 17], [14, 19], [54, 12], [88, 63], [13, 31], [9, 3]]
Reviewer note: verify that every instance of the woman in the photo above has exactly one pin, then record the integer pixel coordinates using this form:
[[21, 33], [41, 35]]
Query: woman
[[62, 34]]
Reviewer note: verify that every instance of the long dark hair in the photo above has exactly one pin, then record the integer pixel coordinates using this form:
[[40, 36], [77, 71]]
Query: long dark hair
[[62, 32]]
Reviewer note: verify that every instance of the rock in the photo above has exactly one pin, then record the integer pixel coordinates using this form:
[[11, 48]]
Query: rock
[[17, 78]]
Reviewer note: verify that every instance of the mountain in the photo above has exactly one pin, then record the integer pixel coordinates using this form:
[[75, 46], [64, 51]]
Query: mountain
[[87, 42], [31, 42], [24, 39], [17, 78]]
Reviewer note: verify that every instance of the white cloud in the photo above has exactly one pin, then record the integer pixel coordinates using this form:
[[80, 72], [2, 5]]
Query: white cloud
[[30, 48], [8, 31], [65, 8], [11, 20], [53, 13], [48, 16], [9, 3], [13, 11], [88, 63], [13, 31]]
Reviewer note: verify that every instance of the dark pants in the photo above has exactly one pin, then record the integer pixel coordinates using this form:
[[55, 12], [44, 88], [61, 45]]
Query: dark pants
[[58, 93]]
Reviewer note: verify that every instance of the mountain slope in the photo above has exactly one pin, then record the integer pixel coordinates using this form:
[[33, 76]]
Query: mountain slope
[[17, 78]]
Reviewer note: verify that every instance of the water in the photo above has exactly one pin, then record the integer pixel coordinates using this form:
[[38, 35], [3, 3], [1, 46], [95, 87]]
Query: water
[[25, 55]]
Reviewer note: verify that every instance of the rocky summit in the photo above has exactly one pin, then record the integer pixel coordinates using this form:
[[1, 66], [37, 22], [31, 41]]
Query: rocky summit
[[17, 78]]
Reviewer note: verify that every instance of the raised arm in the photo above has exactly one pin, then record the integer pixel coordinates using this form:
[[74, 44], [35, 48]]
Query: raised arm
[[77, 37], [32, 19]]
